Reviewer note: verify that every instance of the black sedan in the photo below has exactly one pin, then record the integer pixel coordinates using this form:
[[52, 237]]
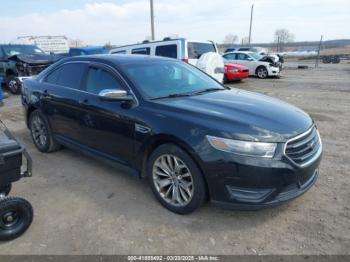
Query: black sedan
[[194, 139]]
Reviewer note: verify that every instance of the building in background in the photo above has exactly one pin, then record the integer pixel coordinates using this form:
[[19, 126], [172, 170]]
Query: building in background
[[49, 44]]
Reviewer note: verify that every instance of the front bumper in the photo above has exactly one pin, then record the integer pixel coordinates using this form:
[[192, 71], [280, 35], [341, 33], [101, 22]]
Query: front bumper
[[237, 76], [287, 194], [22, 78], [273, 71], [247, 183]]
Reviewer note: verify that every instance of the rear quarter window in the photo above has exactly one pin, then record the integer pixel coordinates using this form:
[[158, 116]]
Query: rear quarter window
[[141, 51], [119, 52], [230, 56], [196, 50], [68, 75], [167, 51]]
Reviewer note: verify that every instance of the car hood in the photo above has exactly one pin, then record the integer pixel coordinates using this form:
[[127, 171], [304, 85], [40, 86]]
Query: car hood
[[34, 58], [241, 115]]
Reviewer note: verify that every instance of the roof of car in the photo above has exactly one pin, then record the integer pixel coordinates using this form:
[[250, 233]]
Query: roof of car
[[235, 52], [88, 48], [162, 41], [119, 59]]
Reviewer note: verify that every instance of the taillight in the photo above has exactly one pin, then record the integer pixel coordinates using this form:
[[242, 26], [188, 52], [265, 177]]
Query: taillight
[[185, 60]]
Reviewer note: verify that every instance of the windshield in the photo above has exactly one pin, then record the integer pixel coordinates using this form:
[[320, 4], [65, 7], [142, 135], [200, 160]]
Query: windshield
[[166, 78], [12, 50], [255, 55]]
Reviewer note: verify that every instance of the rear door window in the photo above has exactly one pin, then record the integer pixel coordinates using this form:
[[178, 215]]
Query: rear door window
[[230, 56], [242, 57], [68, 75], [196, 50], [167, 51], [141, 51]]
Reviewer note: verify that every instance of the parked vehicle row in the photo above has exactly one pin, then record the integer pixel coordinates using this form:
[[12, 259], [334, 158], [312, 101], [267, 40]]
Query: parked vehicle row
[[19, 62], [193, 138]]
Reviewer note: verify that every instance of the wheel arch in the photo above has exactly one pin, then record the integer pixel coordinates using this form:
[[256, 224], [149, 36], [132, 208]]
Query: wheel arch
[[30, 110], [260, 66]]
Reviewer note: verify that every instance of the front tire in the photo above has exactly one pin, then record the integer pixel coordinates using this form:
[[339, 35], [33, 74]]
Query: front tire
[[261, 72], [176, 180], [13, 85], [41, 133], [16, 215]]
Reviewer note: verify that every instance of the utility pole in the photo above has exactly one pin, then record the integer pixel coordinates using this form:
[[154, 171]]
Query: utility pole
[[318, 51], [152, 21], [251, 22]]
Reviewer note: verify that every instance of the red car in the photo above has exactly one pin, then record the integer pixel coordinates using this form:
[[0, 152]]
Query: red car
[[234, 72]]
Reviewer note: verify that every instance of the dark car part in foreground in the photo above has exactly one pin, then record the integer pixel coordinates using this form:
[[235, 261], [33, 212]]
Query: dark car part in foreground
[[20, 62], [16, 214], [193, 138]]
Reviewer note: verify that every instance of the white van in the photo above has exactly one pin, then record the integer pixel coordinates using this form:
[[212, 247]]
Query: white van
[[180, 48]]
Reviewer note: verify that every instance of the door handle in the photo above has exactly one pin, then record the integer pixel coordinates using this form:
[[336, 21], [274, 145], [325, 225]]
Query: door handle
[[84, 102], [46, 94]]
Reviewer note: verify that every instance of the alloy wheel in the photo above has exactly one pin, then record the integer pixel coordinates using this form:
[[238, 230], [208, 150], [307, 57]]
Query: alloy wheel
[[39, 131], [262, 73], [12, 85], [173, 180]]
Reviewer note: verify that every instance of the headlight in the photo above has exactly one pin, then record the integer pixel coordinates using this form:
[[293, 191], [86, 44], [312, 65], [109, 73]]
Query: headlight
[[245, 148], [233, 71]]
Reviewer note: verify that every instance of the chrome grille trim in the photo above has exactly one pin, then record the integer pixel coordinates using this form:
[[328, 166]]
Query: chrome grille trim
[[299, 151]]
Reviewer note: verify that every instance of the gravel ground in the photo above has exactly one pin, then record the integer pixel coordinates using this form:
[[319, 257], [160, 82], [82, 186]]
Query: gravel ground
[[83, 206]]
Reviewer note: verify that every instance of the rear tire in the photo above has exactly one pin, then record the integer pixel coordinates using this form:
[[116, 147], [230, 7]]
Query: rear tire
[[13, 84], [261, 72], [41, 133], [176, 180], [16, 215]]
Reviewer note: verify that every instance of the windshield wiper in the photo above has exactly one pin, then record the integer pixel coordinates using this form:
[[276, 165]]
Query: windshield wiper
[[171, 96], [207, 90]]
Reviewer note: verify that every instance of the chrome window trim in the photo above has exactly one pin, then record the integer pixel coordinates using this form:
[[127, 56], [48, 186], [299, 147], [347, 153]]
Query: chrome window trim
[[91, 63]]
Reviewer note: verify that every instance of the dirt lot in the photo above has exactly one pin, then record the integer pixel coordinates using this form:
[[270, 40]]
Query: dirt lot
[[83, 206]]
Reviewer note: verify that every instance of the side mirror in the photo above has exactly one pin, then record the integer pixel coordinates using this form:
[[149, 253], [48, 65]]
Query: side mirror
[[114, 95], [250, 59]]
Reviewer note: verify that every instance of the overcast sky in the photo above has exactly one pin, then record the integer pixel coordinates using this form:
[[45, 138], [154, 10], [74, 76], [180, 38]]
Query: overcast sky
[[123, 22]]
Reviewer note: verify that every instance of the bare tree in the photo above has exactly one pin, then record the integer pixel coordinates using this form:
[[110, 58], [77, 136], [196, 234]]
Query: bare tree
[[282, 36], [108, 45], [75, 43], [245, 40], [230, 39]]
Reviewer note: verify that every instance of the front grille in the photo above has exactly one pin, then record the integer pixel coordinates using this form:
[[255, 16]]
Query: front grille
[[245, 70], [303, 148]]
